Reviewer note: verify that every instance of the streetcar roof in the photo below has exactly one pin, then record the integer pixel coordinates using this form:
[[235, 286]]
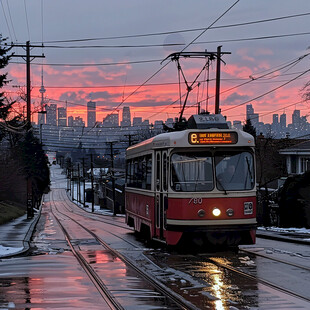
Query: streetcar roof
[[179, 139]]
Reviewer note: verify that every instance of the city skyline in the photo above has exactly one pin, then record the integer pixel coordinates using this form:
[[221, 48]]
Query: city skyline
[[117, 58], [278, 128]]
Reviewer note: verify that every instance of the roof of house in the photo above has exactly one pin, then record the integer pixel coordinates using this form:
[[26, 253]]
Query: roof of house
[[302, 147]]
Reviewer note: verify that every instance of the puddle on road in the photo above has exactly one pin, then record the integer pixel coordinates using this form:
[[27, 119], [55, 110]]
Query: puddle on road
[[220, 288], [58, 282], [124, 283]]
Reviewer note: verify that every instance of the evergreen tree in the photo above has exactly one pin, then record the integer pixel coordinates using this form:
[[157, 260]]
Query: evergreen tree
[[5, 103], [35, 163], [249, 128], [4, 59], [25, 151]]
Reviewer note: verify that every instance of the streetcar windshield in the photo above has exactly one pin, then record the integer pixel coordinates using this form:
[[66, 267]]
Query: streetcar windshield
[[192, 172], [234, 170], [195, 171]]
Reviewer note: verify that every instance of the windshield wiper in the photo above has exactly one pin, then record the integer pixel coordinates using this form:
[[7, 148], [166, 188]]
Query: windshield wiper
[[249, 170], [220, 183]]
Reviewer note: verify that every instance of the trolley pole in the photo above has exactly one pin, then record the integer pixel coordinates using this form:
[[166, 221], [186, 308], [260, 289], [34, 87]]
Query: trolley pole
[[218, 80]]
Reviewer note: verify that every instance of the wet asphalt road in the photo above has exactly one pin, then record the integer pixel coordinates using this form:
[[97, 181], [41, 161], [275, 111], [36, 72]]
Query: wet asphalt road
[[49, 277]]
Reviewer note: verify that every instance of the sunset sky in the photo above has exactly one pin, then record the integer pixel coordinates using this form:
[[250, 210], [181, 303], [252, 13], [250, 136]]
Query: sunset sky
[[111, 52]]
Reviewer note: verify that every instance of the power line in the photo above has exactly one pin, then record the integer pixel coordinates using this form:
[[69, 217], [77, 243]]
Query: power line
[[268, 92], [168, 45], [252, 79], [27, 23], [256, 38], [179, 31], [204, 30], [98, 64], [287, 64], [216, 20], [9, 11], [6, 20]]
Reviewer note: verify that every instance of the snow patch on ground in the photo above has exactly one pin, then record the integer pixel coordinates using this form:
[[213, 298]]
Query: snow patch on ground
[[286, 230], [9, 250]]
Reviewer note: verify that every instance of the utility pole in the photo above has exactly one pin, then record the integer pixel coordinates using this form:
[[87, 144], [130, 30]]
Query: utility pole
[[219, 53], [28, 60], [79, 185], [130, 140], [83, 163], [72, 178], [92, 183], [112, 176]]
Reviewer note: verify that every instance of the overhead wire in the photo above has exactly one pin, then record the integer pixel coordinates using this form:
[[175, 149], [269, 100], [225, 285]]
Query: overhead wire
[[6, 20], [27, 23], [268, 92], [252, 79], [233, 25], [198, 36], [180, 31], [277, 68], [10, 16], [216, 20]]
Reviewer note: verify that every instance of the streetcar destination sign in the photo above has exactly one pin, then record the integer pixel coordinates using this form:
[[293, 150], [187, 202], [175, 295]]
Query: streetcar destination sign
[[212, 137]]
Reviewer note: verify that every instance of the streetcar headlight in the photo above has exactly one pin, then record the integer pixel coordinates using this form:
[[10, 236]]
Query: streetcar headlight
[[216, 212]]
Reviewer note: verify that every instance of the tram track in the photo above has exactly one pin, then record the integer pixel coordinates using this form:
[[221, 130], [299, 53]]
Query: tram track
[[239, 273], [180, 302], [102, 289], [248, 251], [260, 280]]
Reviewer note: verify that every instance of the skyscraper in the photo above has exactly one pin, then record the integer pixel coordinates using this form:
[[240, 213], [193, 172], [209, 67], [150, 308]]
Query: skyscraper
[[296, 119], [51, 114], [253, 117], [283, 121], [126, 119], [91, 114], [111, 120], [62, 117]]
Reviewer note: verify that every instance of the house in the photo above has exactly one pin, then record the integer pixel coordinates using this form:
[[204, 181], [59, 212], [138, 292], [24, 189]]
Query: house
[[297, 157]]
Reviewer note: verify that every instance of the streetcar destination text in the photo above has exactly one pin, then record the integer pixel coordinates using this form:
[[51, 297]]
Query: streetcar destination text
[[212, 138]]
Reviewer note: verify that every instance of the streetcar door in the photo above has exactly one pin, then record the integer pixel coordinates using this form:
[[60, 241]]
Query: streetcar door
[[161, 188]]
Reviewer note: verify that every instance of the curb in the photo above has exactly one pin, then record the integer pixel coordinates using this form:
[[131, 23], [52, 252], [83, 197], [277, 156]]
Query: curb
[[27, 237]]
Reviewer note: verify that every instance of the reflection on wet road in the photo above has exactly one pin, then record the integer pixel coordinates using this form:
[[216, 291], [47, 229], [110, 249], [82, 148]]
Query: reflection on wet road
[[52, 278], [46, 282], [220, 288]]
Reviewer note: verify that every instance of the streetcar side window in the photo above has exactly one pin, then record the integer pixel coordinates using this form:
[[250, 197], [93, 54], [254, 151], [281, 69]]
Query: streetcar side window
[[128, 173], [158, 172], [139, 172], [192, 172], [148, 176], [165, 172]]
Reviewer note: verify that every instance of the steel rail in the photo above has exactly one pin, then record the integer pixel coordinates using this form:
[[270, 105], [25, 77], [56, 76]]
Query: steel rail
[[275, 259], [164, 290], [251, 277], [102, 289]]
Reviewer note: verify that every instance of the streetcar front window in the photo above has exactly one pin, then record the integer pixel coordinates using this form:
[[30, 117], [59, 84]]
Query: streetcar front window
[[234, 170], [192, 172]]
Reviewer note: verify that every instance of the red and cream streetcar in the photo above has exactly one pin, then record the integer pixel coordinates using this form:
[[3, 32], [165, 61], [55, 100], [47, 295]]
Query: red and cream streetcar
[[196, 184]]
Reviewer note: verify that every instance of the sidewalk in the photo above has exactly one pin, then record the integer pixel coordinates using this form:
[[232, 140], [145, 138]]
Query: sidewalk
[[15, 235]]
